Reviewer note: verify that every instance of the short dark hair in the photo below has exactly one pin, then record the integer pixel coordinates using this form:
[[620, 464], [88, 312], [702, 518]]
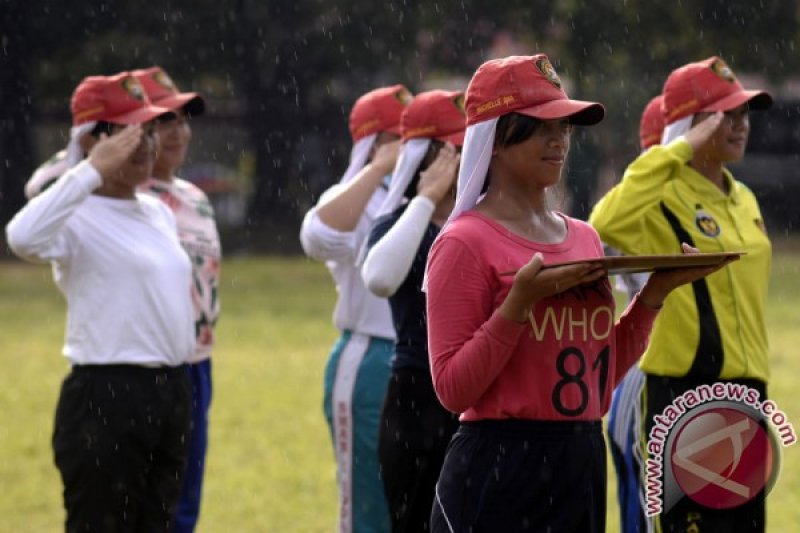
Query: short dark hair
[[100, 128]]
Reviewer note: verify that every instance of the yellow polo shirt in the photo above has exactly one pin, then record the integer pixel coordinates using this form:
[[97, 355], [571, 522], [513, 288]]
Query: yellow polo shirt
[[715, 327]]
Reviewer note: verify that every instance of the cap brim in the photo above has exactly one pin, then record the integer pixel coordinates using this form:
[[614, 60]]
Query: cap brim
[[577, 111], [755, 100], [453, 138], [192, 103], [138, 116]]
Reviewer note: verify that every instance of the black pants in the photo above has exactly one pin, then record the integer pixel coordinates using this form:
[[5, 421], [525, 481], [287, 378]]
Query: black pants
[[120, 439], [523, 475], [688, 515], [415, 431]]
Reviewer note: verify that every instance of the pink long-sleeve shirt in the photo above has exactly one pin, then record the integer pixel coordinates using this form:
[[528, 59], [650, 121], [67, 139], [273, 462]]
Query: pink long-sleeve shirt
[[560, 365]]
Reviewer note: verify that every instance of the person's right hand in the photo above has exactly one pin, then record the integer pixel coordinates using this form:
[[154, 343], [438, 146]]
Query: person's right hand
[[533, 283], [110, 153], [661, 283], [703, 131], [436, 180], [386, 156]]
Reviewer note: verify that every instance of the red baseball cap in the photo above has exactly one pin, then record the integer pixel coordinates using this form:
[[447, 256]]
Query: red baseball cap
[[435, 115], [379, 110], [163, 92], [527, 85], [707, 86], [118, 99], [651, 126]]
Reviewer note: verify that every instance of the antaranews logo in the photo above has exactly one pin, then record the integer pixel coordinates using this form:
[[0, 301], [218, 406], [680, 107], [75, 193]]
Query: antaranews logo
[[717, 444]]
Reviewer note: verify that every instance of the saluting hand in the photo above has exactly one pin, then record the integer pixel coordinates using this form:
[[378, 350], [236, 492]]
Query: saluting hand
[[533, 283], [702, 132], [436, 180], [385, 156], [110, 153]]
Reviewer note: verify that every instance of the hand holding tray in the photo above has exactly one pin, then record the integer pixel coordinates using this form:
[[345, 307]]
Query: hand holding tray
[[630, 264]]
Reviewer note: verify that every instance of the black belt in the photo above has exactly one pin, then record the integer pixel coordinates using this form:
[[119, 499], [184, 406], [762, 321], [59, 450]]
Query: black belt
[[118, 369]]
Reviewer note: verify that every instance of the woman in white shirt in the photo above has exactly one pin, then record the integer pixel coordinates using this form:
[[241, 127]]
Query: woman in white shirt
[[122, 418], [357, 372]]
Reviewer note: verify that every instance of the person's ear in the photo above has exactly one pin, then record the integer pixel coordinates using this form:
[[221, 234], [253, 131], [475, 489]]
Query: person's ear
[[87, 142]]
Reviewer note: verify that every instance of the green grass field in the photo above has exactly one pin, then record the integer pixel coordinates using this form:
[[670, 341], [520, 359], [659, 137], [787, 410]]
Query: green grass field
[[270, 465]]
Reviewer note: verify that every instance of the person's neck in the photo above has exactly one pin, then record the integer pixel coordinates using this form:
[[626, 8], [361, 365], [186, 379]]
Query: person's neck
[[517, 203], [163, 174], [523, 209], [712, 170]]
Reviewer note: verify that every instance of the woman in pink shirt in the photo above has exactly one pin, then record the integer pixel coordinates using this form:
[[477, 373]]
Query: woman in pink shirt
[[528, 357]]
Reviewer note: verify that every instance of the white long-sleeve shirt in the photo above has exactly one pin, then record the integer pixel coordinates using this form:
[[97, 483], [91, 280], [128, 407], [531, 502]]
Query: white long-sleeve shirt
[[356, 309], [389, 261], [120, 266]]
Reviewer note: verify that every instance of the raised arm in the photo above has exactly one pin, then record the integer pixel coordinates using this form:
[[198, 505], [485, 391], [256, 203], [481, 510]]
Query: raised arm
[[323, 243], [342, 210], [619, 216], [390, 259], [329, 231], [36, 231], [392, 250]]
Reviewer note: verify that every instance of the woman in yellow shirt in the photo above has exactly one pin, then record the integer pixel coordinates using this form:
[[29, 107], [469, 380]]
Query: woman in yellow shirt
[[713, 330]]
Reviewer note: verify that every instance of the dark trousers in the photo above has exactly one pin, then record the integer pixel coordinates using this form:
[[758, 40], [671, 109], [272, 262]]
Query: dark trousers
[[523, 475], [120, 440], [688, 515], [415, 431]]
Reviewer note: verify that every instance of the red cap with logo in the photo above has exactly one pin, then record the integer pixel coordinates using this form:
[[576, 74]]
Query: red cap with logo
[[163, 92], [379, 110], [651, 126], [527, 85], [707, 86], [435, 115], [118, 99]]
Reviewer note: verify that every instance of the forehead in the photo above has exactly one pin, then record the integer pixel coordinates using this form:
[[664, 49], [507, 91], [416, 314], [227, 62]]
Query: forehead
[[559, 124]]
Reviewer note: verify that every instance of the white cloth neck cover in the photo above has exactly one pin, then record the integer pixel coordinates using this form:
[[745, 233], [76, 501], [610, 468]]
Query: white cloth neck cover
[[73, 154], [411, 155], [74, 150], [475, 158], [676, 129], [358, 157]]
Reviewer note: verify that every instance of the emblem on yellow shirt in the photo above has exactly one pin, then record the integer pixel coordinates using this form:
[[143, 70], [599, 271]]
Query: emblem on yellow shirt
[[706, 224]]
